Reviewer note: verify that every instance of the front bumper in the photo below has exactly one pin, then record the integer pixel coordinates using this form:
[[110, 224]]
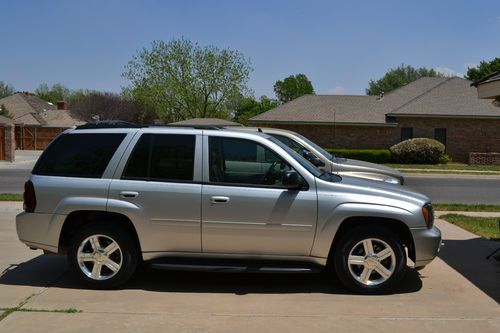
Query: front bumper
[[40, 231], [427, 243]]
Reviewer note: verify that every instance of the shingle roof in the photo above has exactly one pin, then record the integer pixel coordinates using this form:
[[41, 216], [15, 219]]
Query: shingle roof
[[206, 122], [426, 96], [453, 97], [29, 109], [5, 120], [325, 109]]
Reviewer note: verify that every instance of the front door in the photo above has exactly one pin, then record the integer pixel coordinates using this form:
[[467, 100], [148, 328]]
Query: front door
[[245, 208]]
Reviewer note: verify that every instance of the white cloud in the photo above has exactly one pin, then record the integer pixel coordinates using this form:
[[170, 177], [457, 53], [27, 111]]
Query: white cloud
[[338, 90], [446, 71], [470, 65]]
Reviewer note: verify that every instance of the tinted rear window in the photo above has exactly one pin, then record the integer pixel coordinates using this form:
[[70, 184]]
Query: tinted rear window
[[162, 157], [79, 155]]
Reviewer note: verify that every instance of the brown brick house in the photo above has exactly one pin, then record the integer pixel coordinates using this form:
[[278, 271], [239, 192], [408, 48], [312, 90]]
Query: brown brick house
[[37, 122], [446, 109]]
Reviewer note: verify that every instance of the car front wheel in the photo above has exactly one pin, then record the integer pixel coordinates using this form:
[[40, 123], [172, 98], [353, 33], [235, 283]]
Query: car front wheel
[[103, 256], [370, 260]]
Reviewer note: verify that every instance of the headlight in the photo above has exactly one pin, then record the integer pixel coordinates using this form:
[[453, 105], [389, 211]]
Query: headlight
[[428, 213], [391, 181]]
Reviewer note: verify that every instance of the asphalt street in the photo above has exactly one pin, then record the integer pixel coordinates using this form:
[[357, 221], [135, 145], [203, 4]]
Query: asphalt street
[[457, 189], [440, 188]]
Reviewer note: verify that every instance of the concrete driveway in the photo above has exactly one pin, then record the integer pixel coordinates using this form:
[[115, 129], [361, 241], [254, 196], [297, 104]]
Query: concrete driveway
[[456, 293]]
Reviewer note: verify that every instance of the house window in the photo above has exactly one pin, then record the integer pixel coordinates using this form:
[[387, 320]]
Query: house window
[[440, 135], [406, 133]]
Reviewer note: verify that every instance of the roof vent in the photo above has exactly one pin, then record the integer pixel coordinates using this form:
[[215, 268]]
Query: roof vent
[[380, 95]]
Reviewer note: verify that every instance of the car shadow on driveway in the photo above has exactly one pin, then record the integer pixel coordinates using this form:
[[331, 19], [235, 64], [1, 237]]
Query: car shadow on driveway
[[51, 271], [468, 257]]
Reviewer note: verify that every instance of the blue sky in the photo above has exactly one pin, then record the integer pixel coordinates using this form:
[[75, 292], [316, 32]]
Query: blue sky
[[340, 46]]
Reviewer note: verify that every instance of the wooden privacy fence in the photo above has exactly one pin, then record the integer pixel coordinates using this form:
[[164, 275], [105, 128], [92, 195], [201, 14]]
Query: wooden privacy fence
[[35, 138]]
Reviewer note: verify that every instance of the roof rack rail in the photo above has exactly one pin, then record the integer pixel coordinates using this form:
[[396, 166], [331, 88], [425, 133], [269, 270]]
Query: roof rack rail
[[109, 124], [213, 127], [127, 124]]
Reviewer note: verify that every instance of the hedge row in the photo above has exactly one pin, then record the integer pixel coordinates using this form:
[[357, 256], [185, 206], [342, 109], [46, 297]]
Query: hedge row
[[369, 155]]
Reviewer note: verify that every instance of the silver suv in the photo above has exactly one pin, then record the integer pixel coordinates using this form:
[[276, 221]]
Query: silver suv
[[208, 199]]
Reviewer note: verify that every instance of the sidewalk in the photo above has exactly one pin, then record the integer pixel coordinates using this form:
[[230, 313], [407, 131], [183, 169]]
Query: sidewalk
[[448, 171], [439, 213]]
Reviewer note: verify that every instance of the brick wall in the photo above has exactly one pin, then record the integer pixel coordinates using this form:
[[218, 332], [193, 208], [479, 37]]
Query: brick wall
[[462, 135], [346, 137], [484, 158]]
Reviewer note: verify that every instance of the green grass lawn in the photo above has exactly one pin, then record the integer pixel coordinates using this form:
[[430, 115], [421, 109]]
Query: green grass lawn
[[449, 166], [466, 207], [488, 227], [11, 197]]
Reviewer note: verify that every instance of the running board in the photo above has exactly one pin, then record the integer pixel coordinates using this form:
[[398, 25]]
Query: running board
[[237, 266]]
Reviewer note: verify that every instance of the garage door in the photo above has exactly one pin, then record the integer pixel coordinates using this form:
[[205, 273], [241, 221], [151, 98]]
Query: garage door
[[2, 143]]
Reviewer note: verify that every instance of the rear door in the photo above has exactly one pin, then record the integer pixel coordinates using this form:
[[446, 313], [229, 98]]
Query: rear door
[[160, 185]]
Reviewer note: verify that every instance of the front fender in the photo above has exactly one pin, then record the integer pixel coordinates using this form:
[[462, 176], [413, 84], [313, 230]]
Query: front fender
[[329, 221]]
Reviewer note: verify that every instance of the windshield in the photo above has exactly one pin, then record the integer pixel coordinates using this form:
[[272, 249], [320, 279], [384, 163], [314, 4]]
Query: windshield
[[305, 163]]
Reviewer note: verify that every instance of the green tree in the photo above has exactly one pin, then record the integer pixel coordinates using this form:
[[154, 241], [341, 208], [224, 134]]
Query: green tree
[[292, 87], [180, 79], [4, 112], [249, 107], [484, 68], [398, 77], [6, 89], [54, 94]]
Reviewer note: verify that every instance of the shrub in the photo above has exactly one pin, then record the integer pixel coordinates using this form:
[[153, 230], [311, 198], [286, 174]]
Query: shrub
[[444, 159], [368, 155], [418, 151]]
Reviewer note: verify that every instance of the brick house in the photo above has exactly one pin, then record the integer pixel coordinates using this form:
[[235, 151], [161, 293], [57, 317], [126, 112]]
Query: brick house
[[446, 109], [37, 122]]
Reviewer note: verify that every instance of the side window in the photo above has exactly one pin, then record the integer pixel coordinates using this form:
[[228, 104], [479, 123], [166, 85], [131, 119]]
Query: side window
[[440, 135], [79, 155], [239, 161], [162, 157]]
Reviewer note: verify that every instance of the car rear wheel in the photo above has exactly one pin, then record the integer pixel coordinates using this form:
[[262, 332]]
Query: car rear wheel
[[103, 256], [370, 260]]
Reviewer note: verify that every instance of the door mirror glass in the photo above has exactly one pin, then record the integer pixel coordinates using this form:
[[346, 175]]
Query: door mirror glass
[[291, 180]]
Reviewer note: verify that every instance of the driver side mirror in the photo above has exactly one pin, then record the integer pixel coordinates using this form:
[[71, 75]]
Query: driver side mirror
[[313, 159], [291, 180]]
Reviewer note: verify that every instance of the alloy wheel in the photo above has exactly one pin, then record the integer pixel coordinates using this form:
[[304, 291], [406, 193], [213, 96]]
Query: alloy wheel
[[99, 257]]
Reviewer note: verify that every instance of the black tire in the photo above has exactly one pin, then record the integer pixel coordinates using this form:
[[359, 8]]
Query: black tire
[[350, 242], [128, 254]]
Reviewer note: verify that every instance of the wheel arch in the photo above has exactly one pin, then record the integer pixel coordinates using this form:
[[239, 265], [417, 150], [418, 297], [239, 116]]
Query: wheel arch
[[396, 226], [80, 218]]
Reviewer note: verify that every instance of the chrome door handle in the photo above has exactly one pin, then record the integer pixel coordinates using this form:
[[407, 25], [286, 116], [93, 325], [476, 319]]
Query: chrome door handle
[[219, 200], [128, 194]]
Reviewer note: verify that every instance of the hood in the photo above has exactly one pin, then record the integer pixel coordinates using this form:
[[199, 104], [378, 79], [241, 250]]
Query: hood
[[380, 190], [346, 164]]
